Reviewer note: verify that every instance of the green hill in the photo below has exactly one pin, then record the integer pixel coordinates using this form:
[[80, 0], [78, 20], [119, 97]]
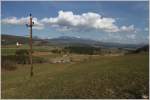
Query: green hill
[[10, 39]]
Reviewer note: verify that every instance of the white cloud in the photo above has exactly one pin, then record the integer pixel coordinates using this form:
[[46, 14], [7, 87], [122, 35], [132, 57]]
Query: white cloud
[[14, 20], [88, 20], [67, 20], [128, 28], [23, 21]]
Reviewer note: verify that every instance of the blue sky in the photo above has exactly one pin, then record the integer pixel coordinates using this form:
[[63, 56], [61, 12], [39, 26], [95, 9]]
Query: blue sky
[[119, 21]]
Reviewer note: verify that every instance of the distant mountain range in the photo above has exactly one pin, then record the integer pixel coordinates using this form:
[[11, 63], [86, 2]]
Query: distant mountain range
[[65, 41]]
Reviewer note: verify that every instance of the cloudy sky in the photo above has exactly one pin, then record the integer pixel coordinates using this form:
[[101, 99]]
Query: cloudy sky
[[123, 22]]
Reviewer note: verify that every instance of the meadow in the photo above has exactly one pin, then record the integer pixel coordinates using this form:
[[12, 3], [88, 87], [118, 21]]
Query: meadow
[[100, 77], [79, 50]]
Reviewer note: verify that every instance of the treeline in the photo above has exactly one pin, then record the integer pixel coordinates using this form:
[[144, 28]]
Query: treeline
[[97, 50], [83, 50], [78, 50], [141, 49]]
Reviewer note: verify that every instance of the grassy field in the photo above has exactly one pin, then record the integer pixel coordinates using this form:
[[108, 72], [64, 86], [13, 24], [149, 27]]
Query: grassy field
[[11, 49], [104, 77]]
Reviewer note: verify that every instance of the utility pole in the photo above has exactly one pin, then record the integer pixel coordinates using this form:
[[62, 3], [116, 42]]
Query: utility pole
[[30, 25]]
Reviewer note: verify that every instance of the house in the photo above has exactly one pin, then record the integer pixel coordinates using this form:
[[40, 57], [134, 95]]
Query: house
[[18, 44]]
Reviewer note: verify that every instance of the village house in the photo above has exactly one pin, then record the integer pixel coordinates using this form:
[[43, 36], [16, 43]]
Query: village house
[[18, 44]]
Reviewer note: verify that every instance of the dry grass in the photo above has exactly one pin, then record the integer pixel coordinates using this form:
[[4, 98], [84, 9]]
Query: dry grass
[[101, 77]]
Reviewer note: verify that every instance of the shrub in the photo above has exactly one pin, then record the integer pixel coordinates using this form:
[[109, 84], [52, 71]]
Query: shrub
[[56, 51], [8, 62], [22, 56]]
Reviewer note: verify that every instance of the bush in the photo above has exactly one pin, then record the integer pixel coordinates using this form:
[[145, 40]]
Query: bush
[[8, 62], [22, 56], [56, 51]]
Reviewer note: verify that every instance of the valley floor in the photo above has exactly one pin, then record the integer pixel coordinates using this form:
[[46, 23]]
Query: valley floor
[[104, 77]]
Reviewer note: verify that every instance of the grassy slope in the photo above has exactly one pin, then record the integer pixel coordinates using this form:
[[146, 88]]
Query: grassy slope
[[106, 77]]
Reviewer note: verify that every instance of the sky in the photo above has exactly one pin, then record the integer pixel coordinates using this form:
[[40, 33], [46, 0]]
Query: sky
[[106, 21]]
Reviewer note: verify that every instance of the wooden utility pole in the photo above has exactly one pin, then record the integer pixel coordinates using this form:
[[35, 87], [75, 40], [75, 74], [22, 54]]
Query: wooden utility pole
[[31, 73], [30, 42]]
